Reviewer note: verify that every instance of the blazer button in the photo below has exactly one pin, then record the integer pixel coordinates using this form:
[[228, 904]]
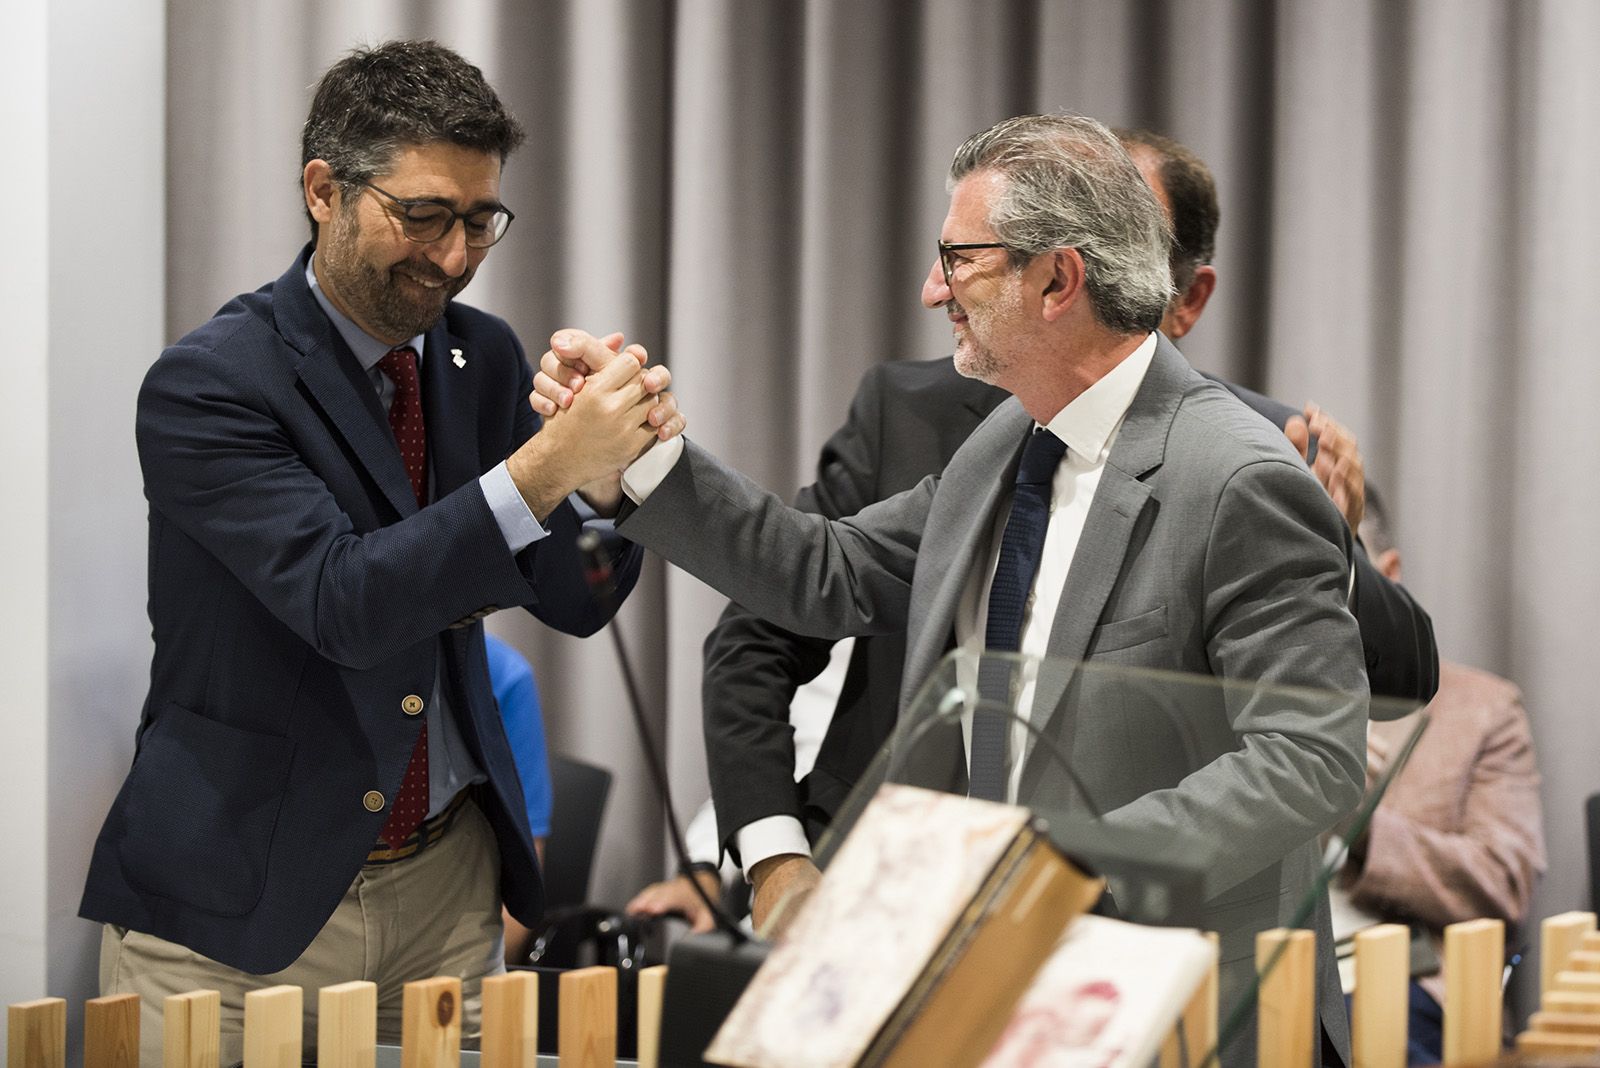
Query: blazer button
[[411, 704], [373, 800]]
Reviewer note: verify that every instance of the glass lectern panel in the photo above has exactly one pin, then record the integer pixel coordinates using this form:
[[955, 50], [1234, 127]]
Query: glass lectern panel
[[1205, 802]]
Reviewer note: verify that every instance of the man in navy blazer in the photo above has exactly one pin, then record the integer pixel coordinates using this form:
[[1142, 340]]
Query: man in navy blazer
[[344, 477]]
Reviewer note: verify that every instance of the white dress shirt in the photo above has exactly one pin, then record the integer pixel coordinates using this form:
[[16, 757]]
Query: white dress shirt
[[1089, 427]]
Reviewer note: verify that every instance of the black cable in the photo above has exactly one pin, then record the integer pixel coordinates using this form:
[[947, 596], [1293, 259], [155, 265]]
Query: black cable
[[597, 573]]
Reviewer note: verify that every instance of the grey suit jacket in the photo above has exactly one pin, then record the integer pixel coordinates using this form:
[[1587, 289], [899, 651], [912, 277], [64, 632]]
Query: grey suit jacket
[[1208, 549]]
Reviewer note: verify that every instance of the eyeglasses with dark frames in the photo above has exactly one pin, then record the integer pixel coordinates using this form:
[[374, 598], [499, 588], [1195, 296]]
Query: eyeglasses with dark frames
[[426, 221], [947, 259]]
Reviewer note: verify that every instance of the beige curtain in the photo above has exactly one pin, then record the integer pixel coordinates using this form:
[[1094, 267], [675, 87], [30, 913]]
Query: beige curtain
[[752, 189]]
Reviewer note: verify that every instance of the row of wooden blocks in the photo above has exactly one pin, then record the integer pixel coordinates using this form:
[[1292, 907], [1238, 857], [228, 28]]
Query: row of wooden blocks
[[1474, 962], [1567, 1026], [1287, 1028], [347, 1025]]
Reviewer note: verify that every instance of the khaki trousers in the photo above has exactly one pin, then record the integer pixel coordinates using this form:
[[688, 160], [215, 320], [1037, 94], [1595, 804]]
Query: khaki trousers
[[434, 913]]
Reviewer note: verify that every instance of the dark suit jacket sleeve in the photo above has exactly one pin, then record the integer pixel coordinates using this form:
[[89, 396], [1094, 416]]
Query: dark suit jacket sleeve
[[1396, 636], [753, 668]]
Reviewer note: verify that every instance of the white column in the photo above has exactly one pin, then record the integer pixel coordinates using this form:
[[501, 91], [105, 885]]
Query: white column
[[24, 431], [84, 284]]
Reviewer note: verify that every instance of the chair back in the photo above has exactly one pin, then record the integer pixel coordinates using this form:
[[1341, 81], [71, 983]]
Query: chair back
[[577, 806], [1591, 827]]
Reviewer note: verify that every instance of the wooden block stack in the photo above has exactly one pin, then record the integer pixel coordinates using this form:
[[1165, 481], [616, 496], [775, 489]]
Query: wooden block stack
[[347, 1025], [1567, 1024]]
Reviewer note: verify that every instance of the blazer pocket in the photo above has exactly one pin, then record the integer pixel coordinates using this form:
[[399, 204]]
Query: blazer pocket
[[1126, 633], [1238, 922], [200, 807]]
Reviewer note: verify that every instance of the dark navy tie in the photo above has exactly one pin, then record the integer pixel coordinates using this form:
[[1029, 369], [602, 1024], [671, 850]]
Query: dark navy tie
[[1021, 547]]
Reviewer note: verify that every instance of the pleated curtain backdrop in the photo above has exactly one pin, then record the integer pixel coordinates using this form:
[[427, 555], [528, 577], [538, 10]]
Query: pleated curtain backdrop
[[752, 189]]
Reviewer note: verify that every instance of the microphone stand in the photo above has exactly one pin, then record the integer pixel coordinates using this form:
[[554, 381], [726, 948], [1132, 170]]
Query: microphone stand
[[597, 573]]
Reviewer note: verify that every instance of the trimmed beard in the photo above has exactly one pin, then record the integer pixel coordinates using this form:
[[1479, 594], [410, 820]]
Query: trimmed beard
[[373, 295]]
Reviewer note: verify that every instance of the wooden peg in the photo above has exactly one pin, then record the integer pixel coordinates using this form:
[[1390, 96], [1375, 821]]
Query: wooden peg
[[588, 1012], [1474, 960], [1288, 1014], [1586, 1022], [111, 1032], [1199, 1021], [430, 1024], [191, 1030], [347, 1025], [1558, 937], [652, 989], [1566, 1001], [1548, 1043], [1578, 982], [273, 1023], [511, 1021], [1381, 1001], [36, 1034]]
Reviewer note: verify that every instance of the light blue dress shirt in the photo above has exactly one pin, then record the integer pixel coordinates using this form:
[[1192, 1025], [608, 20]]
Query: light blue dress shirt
[[450, 764]]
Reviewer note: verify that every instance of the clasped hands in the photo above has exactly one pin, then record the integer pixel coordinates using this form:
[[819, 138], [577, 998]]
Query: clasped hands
[[602, 408]]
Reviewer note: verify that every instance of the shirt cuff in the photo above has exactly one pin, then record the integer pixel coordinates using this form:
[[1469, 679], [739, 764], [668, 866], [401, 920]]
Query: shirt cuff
[[641, 477], [511, 513], [770, 836]]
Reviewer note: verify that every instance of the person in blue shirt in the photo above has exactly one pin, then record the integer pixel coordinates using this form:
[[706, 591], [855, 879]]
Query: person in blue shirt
[[517, 694]]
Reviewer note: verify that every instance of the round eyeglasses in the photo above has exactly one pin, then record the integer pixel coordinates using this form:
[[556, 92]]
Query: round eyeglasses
[[427, 221]]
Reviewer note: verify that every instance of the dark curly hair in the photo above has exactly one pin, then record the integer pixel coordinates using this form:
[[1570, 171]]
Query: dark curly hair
[[379, 99]]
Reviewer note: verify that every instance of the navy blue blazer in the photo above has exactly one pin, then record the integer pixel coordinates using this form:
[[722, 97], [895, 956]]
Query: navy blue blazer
[[297, 596]]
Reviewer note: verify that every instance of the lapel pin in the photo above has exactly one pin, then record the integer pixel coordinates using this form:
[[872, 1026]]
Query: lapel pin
[[458, 359]]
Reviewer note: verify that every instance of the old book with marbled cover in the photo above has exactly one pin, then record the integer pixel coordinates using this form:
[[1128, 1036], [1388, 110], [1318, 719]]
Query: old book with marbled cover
[[918, 943]]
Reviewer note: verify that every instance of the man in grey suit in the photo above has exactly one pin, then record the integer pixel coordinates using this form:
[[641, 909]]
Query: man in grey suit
[[1183, 532]]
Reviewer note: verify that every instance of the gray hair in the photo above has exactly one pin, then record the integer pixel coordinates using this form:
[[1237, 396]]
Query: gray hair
[[1070, 184]]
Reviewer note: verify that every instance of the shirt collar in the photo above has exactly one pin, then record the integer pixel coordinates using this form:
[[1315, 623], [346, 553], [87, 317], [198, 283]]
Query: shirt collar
[[368, 349], [1088, 423]]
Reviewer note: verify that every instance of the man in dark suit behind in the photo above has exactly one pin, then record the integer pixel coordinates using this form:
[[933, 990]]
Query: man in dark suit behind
[[322, 789]]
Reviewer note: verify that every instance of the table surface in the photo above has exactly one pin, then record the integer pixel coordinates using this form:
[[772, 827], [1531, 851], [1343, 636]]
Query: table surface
[[389, 1057]]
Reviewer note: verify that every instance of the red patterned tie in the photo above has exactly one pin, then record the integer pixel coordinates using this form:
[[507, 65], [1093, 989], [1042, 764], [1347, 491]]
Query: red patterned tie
[[410, 806]]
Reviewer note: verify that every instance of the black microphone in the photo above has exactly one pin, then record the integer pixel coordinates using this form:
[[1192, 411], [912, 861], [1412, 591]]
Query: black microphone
[[598, 574]]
